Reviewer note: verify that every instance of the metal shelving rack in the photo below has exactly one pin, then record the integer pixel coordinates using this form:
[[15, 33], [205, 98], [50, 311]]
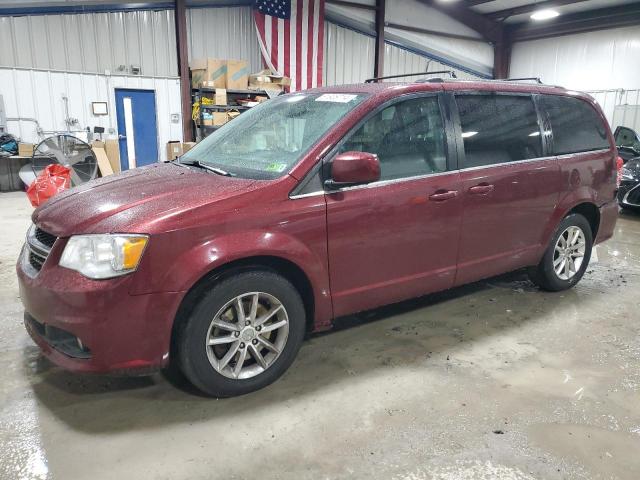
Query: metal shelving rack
[[232, 97]]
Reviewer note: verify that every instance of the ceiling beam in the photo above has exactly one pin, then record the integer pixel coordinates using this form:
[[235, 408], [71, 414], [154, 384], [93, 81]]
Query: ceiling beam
[[347, 3], [531, 7], [604, 18], [473, 3], [487, 27]]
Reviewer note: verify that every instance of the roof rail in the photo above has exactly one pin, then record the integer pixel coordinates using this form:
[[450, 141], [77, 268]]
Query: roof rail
[[376, 79], [535, 79]]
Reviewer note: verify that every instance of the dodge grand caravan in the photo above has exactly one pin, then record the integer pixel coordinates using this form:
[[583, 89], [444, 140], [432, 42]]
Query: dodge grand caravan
[[312, 206]]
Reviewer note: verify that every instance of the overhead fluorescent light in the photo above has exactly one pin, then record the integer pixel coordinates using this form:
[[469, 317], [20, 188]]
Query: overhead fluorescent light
[[544, 14], [468, 134]]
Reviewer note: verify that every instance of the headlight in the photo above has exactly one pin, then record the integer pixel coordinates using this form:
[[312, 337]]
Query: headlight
[[103, 256]]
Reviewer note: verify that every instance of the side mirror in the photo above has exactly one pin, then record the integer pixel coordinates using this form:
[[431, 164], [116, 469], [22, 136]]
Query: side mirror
[[353, 168]]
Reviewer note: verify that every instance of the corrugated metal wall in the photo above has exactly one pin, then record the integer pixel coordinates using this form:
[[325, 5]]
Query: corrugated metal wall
[[38, 94], [621, 107], [349, 58], [92, 42], [348, 55], [399, 60], [601, 60], [224, 33]]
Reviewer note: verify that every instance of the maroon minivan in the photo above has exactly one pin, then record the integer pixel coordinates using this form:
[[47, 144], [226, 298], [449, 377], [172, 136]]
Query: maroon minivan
[[312, 206]]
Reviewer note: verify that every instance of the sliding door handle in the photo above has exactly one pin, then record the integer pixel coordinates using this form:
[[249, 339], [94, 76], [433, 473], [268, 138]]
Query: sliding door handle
[[481, 189], [442, 195]]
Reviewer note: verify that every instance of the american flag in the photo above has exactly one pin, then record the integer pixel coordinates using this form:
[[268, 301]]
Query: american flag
[[291, 36]]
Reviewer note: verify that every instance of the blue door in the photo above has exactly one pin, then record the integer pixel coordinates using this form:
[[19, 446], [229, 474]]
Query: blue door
[[137, 127]]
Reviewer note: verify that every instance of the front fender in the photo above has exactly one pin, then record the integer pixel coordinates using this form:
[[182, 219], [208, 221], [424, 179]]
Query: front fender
[[193, 263]]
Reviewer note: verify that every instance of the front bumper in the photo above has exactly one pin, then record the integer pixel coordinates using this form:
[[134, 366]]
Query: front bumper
[[118, 332]]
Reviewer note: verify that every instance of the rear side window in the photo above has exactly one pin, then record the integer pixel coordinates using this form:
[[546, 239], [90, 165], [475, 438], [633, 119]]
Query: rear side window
[[498, 129], [575, 124]]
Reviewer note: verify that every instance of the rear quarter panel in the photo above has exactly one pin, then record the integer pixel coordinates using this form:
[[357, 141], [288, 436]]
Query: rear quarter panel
[[588, 177]]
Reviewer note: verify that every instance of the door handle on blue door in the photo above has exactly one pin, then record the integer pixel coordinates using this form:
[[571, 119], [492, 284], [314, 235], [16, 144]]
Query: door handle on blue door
[[442, 195], [122, 137], [481, 189]]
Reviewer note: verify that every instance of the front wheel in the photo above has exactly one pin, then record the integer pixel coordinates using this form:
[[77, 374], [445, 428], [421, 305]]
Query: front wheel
[[242, 335], [567, 257]]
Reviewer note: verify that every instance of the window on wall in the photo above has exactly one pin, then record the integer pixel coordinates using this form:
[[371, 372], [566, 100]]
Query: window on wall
[[408, 137], [575, 124], [498, 129]]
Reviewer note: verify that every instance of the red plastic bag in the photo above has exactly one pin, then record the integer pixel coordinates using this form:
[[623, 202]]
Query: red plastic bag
[[54, 179]]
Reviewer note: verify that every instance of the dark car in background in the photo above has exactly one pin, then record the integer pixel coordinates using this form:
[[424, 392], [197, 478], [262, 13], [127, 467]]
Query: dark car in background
[[628, 143]]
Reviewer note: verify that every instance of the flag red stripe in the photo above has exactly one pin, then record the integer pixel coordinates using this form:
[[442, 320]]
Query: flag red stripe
[[287, 49], [298, 80], [274, 42], [310, 46], [320, 42]]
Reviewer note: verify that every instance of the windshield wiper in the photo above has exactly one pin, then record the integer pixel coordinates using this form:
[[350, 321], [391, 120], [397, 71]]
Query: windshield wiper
[[199, 164]]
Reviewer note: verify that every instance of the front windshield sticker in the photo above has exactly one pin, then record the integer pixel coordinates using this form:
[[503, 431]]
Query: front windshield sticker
[[276, 167], [335, 97]]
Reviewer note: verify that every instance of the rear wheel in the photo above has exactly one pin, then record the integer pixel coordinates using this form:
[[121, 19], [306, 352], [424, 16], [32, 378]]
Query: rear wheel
[[243, 335], [567, 257]]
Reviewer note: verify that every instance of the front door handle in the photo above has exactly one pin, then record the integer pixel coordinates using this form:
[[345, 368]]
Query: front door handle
[[122, 137], [442, 195], [481, 189]]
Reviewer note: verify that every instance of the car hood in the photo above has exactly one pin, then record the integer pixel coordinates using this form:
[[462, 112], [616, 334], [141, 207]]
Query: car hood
[[136, 200]]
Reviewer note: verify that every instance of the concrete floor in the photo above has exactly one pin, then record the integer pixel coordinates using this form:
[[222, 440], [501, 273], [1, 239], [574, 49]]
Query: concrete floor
[[493, 380]]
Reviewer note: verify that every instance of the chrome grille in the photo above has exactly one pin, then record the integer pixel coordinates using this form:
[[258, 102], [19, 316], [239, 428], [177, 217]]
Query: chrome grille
[[39, 244], [44, 237]]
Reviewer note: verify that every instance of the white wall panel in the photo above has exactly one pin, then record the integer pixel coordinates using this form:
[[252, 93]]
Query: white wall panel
[[621, 107], [349, 58], [399, 60], [91, 42], [601, 60], [224, 33], [348, 55], [38, 94]]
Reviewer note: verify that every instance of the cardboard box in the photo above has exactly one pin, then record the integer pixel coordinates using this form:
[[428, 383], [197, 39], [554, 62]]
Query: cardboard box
[[220, 118], [210, 70], [268, 81], [112, 147], [25, 149], [186, 146], [174, 150], [220, 96], [237, 74], [103, 162]]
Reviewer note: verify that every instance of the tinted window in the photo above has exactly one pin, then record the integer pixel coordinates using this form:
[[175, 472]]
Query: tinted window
[[625, 137], [498, 129], [408, 138], [575, 124]]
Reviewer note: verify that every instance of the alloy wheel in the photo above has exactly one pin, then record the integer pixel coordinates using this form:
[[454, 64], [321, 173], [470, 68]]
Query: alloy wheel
[[569, 253], [247, 335]]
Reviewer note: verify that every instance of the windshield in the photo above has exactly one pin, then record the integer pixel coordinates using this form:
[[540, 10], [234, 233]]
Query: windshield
[[269, 139]]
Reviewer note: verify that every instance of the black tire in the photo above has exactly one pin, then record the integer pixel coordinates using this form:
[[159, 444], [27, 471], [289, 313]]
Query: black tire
[[192, 355], [544, 275]]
